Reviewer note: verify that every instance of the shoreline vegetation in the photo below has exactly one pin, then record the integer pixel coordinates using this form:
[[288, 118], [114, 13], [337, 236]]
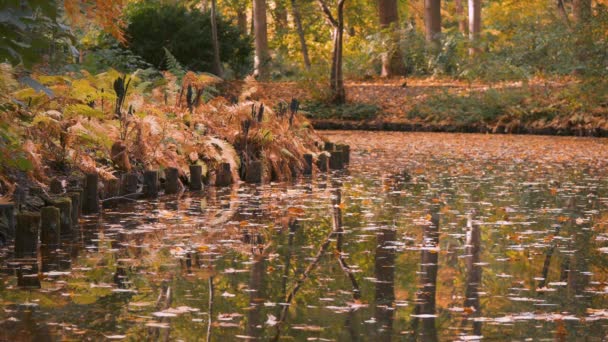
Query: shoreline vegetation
[[561, 106]]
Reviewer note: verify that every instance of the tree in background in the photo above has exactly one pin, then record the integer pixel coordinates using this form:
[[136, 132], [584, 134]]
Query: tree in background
[[474, 25], [461, 17], [262, 57], [392, 60], [297, 20], [432, 20], [217, 64], [336, 80], [187, 35]]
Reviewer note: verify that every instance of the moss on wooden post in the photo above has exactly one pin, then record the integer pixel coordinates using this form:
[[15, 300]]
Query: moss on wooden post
[[26, 235], [65, 211], [90, 203]]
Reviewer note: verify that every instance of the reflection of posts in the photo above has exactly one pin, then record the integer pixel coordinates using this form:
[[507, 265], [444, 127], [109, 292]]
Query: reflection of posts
[[425, 297], [473, 251], [384, 271], [256, 297]]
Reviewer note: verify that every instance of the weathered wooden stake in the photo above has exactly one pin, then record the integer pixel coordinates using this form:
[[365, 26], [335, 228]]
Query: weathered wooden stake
[[335, 160], [27, 274], [56, 187], [113, 188], [90, 203], [129, 184], [329, 146], [254, 172], [26, 235], [196, 177], [76, 198], [307, 164], [151, 183], [323, 162], [172, 180], [65, 211], [223, 175], [345, 152], [7, 213], [50, 237]]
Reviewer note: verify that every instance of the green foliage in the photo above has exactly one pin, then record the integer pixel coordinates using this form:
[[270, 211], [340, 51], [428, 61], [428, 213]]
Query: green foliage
[[27, 28], [154, 27], [347, 111], [102, 58]]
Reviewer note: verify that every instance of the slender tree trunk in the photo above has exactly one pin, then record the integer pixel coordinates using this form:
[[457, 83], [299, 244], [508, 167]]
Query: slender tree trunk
[[474, 25], [261, 39], [241, 19], [217, 64], [280, 13], [462, 18], [581, 10], [297, 19], [336, 77], [561, 11], [392, 60], [432, 20]]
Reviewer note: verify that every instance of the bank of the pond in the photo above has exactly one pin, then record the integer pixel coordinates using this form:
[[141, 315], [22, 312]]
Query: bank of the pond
[[397, 126]]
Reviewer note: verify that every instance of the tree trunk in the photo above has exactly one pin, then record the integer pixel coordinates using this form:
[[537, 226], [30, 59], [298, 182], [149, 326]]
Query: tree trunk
[[474, 25], [461, 17], [261, 39], [561, 11], [392, 60], [297, 19], [432, 20], [217, 64], [280, 13], [338, 95], [241, 19], [581, 10]]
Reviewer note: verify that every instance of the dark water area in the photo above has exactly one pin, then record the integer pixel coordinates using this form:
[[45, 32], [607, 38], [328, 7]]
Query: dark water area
[[424, 237]]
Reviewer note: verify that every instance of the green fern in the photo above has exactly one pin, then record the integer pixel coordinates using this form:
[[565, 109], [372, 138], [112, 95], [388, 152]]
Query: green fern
[[173, 65]]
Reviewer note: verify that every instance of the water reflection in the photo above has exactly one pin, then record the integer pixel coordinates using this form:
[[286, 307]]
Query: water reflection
[[460, 241]]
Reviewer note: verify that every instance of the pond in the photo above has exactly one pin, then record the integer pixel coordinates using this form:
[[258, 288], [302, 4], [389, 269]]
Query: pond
[[424, 236]]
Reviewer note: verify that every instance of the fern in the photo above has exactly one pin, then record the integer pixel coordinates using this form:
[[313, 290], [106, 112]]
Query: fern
[[173, 65]]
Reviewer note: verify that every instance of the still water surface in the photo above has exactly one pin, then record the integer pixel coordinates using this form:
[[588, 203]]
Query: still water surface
[[425, 237]]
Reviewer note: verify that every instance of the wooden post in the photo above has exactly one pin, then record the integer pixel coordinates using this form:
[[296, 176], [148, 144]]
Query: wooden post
[[323, 162], [254, 172], [26, 235], [7, 213], [335, 160], [129, 184], [76, 198], [151, 183], [90, 204], [113, 188], [50, 237], [56, 186], [65, 211], [345, 153], [329, 146], [172, 181], [223, 175], [196, 177], [307, 164]]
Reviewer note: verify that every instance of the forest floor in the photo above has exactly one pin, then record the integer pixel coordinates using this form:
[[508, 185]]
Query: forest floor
[[558, 106]]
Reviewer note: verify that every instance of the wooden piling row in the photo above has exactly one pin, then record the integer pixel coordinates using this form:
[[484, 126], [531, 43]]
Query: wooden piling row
[[196, 177]]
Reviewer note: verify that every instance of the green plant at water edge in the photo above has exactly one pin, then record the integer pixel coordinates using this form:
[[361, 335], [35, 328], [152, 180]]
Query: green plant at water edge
[[347, 111]]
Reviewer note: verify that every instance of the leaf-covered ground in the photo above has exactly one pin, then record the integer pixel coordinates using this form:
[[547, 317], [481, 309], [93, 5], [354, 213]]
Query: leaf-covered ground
[[558, 106]]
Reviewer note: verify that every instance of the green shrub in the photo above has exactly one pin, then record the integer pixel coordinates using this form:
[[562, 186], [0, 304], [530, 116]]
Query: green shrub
[[347, 111], [187, 35]]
